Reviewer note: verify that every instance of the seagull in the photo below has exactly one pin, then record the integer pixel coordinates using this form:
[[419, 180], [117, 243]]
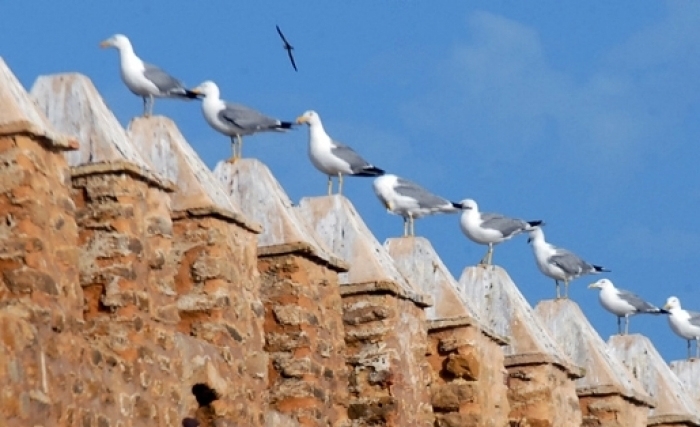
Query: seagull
[[234, 120], [558, 263], [622, 303], [143, 79], [490, 228], [331, 157], [684, 323], [288, 47], [410, 200]]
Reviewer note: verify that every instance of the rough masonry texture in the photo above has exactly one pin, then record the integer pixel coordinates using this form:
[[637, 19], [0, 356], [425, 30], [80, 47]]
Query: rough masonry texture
[[139, 288]]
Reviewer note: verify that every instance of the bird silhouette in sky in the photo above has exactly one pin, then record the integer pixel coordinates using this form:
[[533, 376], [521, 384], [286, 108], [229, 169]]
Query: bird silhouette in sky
[[288, 47]]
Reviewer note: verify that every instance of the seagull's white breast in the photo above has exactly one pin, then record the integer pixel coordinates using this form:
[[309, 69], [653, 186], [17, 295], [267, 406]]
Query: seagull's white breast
[[320, 145], [680, 324], [131, 70], [470, 222], [610, 300]]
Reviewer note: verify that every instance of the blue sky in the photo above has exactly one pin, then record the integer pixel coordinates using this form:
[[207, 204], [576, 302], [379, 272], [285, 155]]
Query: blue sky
[[581, 114]]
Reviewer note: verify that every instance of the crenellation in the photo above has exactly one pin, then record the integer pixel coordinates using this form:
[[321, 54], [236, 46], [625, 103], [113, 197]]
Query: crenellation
[[130, 272]]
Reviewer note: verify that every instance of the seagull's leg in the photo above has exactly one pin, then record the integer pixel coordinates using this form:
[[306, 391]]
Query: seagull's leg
[[556, 283], [413, 229], [619, 326], [688, 341], [627, 325], [240, 147], [405, 226], [151, 101], [145, 106], [330, 185], [340, 183], [232, 159], [566, 288], [490, 253]]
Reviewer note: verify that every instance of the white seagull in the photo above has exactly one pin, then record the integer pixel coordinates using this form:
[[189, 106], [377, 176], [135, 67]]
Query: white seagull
[[557, 263], [684, 323], [410, 200], [143, 79], [331, 157], [490, 228], [622, 303], [234, 120]]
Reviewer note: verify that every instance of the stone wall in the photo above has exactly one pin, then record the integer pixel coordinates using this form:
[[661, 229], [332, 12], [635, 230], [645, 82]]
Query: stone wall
[[139, 288]]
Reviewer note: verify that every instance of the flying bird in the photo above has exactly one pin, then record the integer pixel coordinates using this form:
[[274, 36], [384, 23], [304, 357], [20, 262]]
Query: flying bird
[[410, 200], [234, 120], [490, 228], [622, 303], [143, 79], [331, 157], [684, 323], [557, 263], [288, 47]]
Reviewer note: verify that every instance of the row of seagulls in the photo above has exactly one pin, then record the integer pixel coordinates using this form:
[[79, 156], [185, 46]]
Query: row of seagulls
[[622, 303], [558, 263], [143, 79]]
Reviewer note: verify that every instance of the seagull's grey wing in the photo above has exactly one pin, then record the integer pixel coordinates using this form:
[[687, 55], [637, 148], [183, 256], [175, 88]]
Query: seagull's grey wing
[[570, 262], [165, 83], [425, 198], [348, 155], [635, 301], [246, 118], [694, 318], [505, 225]]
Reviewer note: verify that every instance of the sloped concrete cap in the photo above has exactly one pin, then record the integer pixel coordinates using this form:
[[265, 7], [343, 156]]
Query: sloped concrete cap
[[20, 114], [673, 403], [605, 374], [251, 185], [417, 260], [503, 308], [688, 372], [164, 147], [340, 227], [73, 105]]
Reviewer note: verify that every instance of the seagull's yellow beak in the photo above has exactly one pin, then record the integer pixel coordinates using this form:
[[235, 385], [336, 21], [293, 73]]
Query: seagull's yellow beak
[[302, 119], [667, 306], [593, 285], [197, 91], [105, 43]]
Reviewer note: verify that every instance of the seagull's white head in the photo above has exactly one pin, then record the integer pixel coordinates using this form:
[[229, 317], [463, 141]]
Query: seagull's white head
[[310, 118], [208, 89], [536, 234], [118, 41], [672, 303], [602, 284], [383, 187]]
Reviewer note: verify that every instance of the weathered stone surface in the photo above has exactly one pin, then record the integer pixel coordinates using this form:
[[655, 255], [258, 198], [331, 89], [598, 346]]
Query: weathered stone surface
[[673, 403], [341, 229], [688, 372], [20, 115], [540, 376], [160, 142], [606, 376], [250, 184]]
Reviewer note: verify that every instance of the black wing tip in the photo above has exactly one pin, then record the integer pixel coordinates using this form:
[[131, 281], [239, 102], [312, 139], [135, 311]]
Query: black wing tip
[[537, 223], [192, 95], [600, 269], [457, 205], [204, 394], [286, 125], [370, 171]]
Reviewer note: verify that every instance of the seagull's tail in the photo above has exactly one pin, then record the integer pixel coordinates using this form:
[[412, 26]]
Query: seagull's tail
[[284, 126], [369, 171], [457, 205], [192, 95], [599, 269]]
